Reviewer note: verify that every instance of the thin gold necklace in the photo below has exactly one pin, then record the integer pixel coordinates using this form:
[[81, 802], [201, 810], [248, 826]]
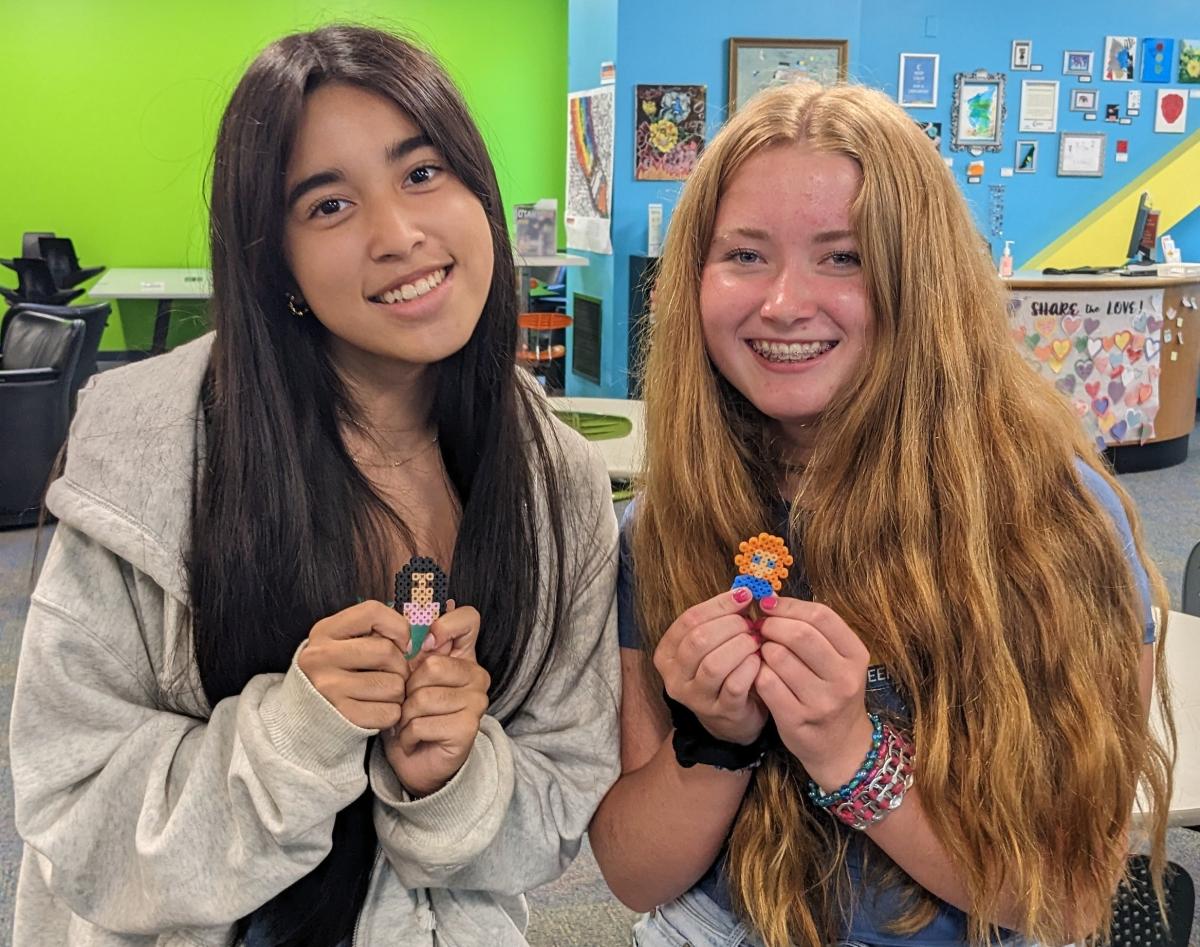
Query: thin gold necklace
[[397, 463]]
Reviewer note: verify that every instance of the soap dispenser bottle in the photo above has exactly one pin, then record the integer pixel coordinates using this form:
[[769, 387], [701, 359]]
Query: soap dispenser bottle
[[1006, 264]]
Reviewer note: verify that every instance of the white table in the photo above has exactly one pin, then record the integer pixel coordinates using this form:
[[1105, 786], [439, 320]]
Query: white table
[[1183, 662], [162, 285], [622, 455]]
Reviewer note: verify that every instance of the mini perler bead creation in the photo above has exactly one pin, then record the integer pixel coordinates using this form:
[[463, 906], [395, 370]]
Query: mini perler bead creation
[[762, 562], [421, 591]]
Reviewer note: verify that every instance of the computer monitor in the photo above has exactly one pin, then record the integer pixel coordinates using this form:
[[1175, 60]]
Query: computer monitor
[[1144, 233]]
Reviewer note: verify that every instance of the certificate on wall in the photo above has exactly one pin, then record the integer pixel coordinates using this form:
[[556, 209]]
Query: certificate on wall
[[1039, 105], [918, 80]]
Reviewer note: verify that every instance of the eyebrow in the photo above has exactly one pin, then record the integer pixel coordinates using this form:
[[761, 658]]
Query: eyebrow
[[396, 151], [824, 236]]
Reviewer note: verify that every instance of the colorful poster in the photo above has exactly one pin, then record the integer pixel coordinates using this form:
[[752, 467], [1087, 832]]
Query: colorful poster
[[1102, 350], [1189, 60], [668, 131], [1158, 59], [1120, 58], [589, 170]]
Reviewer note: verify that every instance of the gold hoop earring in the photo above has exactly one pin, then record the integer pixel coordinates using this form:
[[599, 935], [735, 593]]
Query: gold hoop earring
[[297, 307]]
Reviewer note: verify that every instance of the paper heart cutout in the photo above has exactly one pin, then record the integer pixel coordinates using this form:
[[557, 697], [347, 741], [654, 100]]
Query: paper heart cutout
[[1081, 343], [1171, 106], [1121, 339], [1042, 353], [1081, 408], [1071, 324], [1101, 363], [1139, 321], [1133, 354], [1094, 346], [1066, 384], [1116, 371], [1105, 418], [1046, 325], [1153, 325], [1092, 388], [1061, 348], [1116, 389], [1056, 364], [1083, 368], [1100, 406], [1139, 393], [1116, 357], [1133, 418], [1032, 340], [1152, 348], [1018, 333], [1117, 431], [1091, 325], [1153, 371]]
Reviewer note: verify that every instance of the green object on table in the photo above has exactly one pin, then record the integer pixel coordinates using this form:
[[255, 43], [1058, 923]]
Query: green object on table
[[418, 634], [596, 427]]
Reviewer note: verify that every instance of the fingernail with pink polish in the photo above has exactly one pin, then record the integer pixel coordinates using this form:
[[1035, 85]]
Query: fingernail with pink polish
[[741, 595], [429, 643], [769, 602]]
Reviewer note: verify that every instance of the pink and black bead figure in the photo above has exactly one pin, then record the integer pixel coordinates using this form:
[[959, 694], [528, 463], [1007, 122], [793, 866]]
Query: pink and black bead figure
[[421, 590]]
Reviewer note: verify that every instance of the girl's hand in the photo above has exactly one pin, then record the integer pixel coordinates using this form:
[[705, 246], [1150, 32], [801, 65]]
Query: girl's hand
[[447, 696], [708, 660], [355, 660], [813, 680]]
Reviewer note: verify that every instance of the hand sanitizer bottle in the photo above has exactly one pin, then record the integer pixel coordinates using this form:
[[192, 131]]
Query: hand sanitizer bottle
[[1006, 259]]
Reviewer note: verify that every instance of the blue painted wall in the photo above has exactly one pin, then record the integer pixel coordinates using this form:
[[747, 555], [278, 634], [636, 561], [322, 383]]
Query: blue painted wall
[[685, 41]]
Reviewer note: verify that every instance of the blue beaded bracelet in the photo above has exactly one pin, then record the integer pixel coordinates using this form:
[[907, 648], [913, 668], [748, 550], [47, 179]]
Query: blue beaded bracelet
[[841, 795]]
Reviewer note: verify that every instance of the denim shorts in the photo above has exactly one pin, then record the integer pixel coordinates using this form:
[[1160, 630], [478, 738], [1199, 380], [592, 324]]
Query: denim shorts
[[695, 920]]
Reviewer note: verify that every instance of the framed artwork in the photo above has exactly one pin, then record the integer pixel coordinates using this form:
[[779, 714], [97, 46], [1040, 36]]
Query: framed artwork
[[668, 133], [932, 131], [1078, 62], [918, 84], [1120, 58], [1170, 111], [1026, 157], [1084, 100], [1189, 60], [1022, 53], [1039, 105], [1158, 59], [977, 112], [1081, 154], [757, 64]]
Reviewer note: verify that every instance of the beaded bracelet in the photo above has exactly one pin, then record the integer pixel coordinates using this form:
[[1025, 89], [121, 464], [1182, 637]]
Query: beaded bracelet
[[865, 801], [870, 764]]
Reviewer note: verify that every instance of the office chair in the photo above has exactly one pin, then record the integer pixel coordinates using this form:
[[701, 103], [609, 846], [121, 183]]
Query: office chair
[[95, 318], [30, 246], [37, 371], [59, 253], [35, 284], [1191, 583], [1136, 918]]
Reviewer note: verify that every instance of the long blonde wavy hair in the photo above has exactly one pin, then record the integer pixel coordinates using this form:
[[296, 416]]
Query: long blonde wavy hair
[[942, 515]]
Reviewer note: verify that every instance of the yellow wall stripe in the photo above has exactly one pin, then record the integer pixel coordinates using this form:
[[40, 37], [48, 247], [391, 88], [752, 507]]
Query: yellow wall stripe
[[1099, 238]]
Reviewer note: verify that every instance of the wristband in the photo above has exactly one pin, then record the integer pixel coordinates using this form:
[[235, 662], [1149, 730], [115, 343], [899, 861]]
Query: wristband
[[693, 744], [868, 798]]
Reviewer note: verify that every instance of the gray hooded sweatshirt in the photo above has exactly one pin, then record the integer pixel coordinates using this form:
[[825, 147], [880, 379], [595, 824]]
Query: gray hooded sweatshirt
[[151, 818]]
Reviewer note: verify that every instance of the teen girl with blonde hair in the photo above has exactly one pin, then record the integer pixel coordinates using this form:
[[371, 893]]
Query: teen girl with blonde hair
[[831, 360]]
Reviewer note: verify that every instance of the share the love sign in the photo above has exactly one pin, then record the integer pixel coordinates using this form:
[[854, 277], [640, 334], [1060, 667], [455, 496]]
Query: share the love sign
[[1102, 350]]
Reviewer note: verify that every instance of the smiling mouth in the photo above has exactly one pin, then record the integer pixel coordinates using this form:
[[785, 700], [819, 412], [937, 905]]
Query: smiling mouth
[[789, 352], [406, 292]]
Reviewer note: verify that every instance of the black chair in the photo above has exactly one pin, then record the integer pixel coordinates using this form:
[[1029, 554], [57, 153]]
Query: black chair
[[59, 253], [1191, 583], [37, 370], [1137, 920], [31, 246], [95, 316], [35, 284]]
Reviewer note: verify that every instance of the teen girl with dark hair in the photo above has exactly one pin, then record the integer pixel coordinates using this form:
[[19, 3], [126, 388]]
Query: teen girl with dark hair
[[216, 737]]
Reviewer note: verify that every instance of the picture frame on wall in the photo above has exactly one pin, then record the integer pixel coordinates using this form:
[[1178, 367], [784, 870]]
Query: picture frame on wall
[[1084, 100], [977, 111], [1081, 154], [917, 87], [1025, 160], [760, 63], [1039, 105], [1022, 54], [1078, 62]]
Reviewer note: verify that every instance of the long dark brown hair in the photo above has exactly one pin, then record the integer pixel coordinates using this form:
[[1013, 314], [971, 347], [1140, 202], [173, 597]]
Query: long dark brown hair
[[285, 530]]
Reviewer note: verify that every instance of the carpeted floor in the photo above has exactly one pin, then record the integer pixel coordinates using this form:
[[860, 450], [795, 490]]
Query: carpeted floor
[[578, 910]]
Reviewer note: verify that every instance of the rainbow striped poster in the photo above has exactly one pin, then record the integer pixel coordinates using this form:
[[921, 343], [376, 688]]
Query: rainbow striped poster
[[590, 129]]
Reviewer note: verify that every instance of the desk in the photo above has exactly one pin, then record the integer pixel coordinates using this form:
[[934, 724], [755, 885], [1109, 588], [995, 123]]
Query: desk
[[163, 285], [1067, 326], [622, 455], [1183, 658]]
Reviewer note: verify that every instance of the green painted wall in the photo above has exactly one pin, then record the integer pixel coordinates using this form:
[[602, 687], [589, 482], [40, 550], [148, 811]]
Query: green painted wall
[[111, 109]]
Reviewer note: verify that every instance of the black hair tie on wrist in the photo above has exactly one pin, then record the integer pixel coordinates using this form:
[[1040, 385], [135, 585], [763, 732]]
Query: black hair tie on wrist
[[693, 744]]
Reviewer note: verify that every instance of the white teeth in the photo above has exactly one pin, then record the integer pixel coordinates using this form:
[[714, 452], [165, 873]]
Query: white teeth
[[790, 351], [408, 291]]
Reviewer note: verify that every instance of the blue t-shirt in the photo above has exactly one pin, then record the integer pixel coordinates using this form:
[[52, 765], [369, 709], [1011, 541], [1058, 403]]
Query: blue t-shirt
[[875, 907]]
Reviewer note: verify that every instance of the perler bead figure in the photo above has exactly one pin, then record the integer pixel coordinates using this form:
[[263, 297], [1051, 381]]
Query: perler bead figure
[[763, 563], [421, 590]]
